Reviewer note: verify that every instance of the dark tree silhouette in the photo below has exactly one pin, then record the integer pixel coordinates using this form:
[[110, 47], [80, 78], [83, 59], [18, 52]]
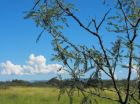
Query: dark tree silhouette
[[52, 16]]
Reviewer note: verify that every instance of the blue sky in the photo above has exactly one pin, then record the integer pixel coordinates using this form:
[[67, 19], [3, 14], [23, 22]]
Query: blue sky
[[18, 36]]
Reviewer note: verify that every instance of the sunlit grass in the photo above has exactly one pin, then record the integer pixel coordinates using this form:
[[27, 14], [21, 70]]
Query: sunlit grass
[[42, 95]]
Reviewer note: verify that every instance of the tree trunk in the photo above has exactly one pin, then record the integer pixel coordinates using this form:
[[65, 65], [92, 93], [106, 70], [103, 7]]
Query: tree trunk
[[139, 93], [139, 88]]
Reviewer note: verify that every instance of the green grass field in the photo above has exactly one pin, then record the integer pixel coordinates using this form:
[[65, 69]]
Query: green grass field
[[39, 95]]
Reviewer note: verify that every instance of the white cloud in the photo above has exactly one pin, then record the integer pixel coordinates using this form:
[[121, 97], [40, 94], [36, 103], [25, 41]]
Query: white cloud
[[35, 65], [40, 60], [135, 69], [115, 76], [9, 68]]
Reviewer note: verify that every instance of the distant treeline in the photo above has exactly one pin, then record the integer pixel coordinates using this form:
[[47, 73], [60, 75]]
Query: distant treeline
[[68, 82]]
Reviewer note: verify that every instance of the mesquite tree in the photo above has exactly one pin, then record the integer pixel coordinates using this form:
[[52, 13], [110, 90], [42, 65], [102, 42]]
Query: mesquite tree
[[124, 54]]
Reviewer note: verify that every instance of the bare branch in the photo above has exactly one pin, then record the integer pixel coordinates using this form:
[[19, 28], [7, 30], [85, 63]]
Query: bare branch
[[95, 24], [36, 4], [74, 17], [137, 23], [103, 19], [39, 36]]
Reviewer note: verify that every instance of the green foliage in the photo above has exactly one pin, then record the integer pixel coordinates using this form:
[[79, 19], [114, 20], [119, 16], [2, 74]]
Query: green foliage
[[49, 16], [130, 10], [78, 60]]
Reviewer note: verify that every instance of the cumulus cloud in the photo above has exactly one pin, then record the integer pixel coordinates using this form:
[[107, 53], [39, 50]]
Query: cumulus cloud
[[9, 68], [35, 65], [115, 76], [40, 60]]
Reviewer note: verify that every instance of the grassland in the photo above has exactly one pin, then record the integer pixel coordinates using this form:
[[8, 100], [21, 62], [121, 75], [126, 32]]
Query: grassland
[[39, 95]]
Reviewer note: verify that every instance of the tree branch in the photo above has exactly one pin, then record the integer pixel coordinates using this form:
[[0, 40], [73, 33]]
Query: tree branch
[[36, 4], [103, 19]]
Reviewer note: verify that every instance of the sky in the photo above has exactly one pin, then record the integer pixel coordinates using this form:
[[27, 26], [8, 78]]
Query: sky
[[21, 57]]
